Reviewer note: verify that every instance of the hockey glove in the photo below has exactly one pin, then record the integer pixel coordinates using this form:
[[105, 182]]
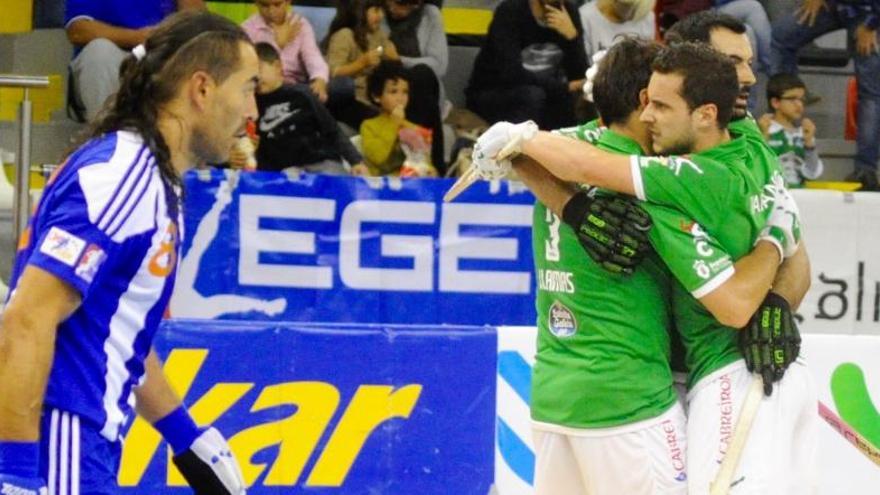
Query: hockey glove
[[19, 467], [202, 456], [209, 466], [503, 136], [771, 341], [783, 227], [613, 230]]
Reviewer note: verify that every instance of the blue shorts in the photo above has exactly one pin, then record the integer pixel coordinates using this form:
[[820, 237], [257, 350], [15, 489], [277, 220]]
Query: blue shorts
[[74, 458]]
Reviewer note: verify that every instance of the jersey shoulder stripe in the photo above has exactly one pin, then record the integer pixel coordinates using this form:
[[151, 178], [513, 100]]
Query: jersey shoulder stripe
[[120, 192]]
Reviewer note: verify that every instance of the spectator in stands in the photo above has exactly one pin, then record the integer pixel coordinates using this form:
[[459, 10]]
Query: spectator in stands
[[752, 14], [355, 45], [416, 29], [292, 35], [605, 21], [385, 136], [103, 33], [294, 128], [860, 18], [791, 135], [532, 64]]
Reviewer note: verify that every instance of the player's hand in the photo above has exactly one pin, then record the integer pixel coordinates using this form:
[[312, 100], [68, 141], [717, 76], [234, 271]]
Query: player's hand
[[18, 485], [612, 229], [771, 341], [809, 10], [209, 466], [783, 227], [557, 19], [504, 136], [866, 40]]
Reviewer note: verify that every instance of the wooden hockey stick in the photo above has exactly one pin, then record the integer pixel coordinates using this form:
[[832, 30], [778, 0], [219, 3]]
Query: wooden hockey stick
[[470, 175], [721, 484], [847, 432]]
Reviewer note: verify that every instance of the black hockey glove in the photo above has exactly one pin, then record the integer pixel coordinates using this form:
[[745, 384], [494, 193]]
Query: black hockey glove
[[771, 341], [612, 229]]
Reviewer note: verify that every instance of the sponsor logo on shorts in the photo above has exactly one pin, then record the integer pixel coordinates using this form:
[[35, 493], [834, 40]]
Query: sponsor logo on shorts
[[562, 322], [674, 451], [91, 260], [62, 246], [725, 408]]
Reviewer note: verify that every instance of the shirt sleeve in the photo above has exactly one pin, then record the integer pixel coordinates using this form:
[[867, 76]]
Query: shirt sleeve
[[82, 9], [340, 48], [315, 64], [695, 258], [700, 190], [69, 245]]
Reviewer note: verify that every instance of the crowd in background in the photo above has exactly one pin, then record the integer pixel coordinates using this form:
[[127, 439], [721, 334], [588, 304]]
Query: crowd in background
[[377, 74]]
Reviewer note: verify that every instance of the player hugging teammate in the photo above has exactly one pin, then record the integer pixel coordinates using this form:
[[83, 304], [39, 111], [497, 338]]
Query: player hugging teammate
[[710, 256]]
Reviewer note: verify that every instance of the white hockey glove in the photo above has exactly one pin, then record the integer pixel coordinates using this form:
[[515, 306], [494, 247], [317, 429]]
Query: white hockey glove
[[591, 74], [209, 466], [495, 147], [783, 227]]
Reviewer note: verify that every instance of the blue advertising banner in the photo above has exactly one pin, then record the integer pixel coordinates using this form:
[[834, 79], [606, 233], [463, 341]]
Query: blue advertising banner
[[347, 249], [331, 409]]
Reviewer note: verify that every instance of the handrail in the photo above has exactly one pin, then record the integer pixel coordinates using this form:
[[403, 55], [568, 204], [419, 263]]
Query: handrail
[[19, 81], [22, 193]]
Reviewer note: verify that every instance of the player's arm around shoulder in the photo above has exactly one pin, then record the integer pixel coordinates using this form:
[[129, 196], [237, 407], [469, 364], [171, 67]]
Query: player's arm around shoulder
[[794, 277]]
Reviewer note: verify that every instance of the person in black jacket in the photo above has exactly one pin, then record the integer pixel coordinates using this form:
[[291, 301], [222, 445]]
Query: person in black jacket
[[532, 64], [295, 129]]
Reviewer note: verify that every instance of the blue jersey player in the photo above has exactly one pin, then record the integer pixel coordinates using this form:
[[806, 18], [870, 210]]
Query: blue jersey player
[[96, 268]]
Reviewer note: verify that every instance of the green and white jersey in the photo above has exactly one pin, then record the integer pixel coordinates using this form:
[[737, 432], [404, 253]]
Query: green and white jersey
[[728, 190], [603, 341], [797, 163]]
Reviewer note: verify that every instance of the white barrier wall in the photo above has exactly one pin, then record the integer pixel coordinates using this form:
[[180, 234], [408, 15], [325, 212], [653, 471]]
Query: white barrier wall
[[841, 467]]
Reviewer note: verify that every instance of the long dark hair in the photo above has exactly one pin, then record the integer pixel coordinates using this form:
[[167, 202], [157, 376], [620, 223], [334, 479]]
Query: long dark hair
[[182, 44], [352, 14]]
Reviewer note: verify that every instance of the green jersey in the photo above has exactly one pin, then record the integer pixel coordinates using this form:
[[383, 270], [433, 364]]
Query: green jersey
[[728, 191], [603, 344], [797, 162]]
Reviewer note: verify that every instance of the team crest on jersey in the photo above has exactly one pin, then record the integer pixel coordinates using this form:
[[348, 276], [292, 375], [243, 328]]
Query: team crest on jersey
[[562, 322], [62, 246], [91, 260]]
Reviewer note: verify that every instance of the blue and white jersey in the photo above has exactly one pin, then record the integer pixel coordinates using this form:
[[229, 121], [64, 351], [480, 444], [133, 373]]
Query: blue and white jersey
[[107, 225]]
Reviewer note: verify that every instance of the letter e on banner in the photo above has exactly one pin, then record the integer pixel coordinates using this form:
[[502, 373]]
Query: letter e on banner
[[456, 247]]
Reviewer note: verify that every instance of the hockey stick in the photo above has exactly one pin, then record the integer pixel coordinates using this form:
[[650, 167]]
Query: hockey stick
[[470, 175], [847, 432], [721, 484]]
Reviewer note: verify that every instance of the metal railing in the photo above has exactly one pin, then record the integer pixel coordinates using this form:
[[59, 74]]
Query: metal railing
[[21, 199]]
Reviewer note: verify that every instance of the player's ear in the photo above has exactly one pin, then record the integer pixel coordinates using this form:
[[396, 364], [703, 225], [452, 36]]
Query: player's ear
[[705, 116], [643, 98], [200, 88]]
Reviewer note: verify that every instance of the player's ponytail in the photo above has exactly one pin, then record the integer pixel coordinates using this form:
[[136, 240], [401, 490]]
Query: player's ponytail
[[180, 45]]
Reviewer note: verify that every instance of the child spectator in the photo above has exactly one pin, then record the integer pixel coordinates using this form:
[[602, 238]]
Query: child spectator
[[791, 135], [389, 140], [355, 44], [294, 128], [292, 35]]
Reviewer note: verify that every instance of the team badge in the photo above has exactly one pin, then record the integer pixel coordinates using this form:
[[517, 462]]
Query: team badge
[[91, 260], [562, 322], [62, 246]]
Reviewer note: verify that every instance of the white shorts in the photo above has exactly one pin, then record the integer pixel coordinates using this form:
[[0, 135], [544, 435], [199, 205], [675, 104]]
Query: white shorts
[[779, 455], [644, 458]]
